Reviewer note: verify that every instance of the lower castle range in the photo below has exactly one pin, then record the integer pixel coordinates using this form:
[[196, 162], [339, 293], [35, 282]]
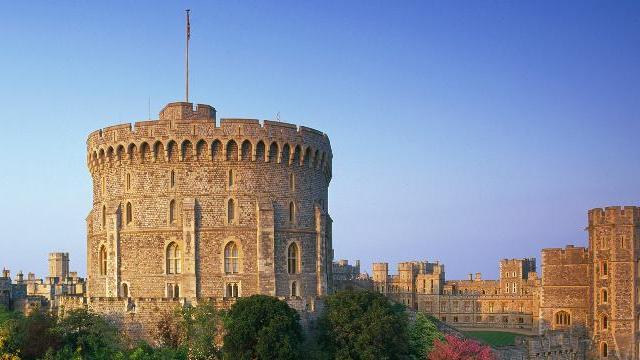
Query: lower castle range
[[185, 210]]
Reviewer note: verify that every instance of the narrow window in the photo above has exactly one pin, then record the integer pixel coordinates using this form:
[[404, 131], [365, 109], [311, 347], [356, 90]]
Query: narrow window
[[230, 178], [104, 216], [294, 288], [292, 182], [176, 291], [232, 290], [605, 322], [103, 260], [173, 256], [172, 211], [231, 258], [129, 214], [231, 211], [605, 269], [292, 258], [605, 350], [292, 212], [125, 290], [128, 181], [170, 291], [605, 297], [172, 181]]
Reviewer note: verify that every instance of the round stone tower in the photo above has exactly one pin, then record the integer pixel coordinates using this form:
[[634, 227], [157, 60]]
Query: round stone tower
[[185, 208]]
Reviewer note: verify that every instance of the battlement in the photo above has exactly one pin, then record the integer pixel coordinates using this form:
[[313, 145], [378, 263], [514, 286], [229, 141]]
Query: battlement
[[569, 255], [620, 215], [181, 135], [185, 111]]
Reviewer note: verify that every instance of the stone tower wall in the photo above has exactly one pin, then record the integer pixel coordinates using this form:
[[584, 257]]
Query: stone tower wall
[[614, 243], [271, 166]]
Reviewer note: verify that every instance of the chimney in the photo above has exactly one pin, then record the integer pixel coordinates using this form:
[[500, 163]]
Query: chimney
[[5, 273], [478, 276], [470, 277]]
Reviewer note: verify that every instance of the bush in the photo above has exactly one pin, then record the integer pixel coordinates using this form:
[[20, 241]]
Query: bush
[[363, 325], [262, 327], [453, 348], [422, 334]]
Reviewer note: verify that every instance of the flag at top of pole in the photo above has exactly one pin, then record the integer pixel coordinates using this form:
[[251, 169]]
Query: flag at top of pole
[[187, 55]]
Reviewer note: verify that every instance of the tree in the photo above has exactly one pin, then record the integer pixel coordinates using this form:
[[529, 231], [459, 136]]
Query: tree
[[262, 327], [9, 323], [200, 325], [88, 335], [34, 335], [453, 348], [363, 325], [422, 334]]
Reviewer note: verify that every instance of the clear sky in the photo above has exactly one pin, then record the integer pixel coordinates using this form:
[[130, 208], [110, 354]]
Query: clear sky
[[464, 132]]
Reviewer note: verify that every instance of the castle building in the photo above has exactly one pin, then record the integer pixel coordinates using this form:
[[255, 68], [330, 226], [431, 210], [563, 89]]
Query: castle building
[[186, 209], [594, 288]]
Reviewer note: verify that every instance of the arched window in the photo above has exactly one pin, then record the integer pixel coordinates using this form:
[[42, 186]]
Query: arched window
[[103, 260], [294, 288], [292, 212], [174, 264], [605, 296], [125, 290], [172, 179], [605, 269], [605, 322], [293, 255], [231, 258], [231, 211], [563, 318], [604, 349], [104, 216], [172, 211], [232, 290], [129, 213]]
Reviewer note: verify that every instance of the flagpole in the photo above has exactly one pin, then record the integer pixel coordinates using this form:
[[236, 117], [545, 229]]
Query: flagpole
[[187, 54]]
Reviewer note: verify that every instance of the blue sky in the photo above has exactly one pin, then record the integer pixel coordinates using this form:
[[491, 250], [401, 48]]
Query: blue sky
[[464, 132]]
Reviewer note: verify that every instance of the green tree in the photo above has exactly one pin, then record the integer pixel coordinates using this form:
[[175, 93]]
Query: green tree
[[200, 326], [262, 327], [88, 335], [34, 334], [423, 332], [363, 325], [9, 324]]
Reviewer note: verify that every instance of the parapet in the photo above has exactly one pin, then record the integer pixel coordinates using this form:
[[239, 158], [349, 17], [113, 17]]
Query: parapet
[[184, 111], [621, 215], [569, 255]]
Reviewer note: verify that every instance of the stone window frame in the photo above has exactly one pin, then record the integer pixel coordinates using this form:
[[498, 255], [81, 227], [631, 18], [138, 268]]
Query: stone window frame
[[128, 180], [177, 265], [604, 349], [292, 213], [604, 322], [231, 179], [128, 213], [238, 289], [298, 260], [604, 296], [174, 285], [172, 214], [103, 220], [126, 284], [292, 181], [172, 179], [298, 290], [240, 258], [103, 261], [559, 318], [236, 217]]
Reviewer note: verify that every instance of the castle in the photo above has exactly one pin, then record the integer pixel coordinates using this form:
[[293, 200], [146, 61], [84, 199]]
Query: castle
[[595, 288], [187, 209]]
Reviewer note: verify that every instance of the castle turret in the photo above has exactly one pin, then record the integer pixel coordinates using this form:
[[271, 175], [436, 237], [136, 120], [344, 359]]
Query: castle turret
[[58, 265]]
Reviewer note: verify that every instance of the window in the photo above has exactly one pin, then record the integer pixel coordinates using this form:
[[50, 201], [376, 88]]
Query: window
[[292, 212], [231, 178], [231, 258], [172, 211], [104, 216], [605, 322], [102, 186], [490, 307], [174, 265], [605, 269], [125, 290], [173, 291], [176, 291], [231, 211], [103, 260], [292, 258], [172, 180], [513, 289], [129, 213], [292, 182], [604, 296], [232, 290], [128, 181], [563, 318], [294, 288], [604, 350]]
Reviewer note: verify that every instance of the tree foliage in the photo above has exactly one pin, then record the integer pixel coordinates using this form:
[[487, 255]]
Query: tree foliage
[[453, 348], [262, 327], [363, 325], [423, 332]]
